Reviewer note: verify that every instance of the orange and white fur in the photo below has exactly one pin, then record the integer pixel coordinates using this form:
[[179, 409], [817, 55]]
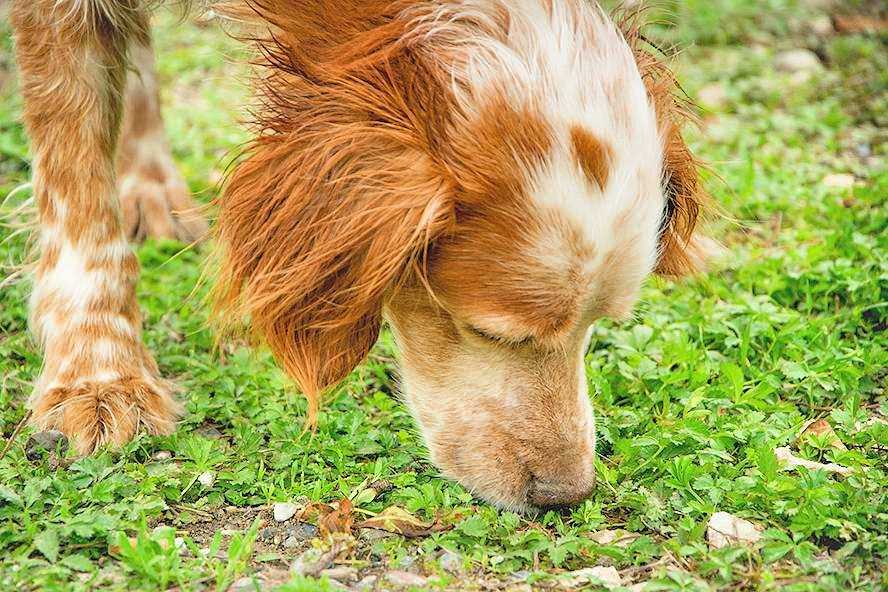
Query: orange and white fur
[[490, 177]]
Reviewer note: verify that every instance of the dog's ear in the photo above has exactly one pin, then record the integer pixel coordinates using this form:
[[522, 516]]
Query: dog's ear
[[683, 250], [332, 205], [313, 245]]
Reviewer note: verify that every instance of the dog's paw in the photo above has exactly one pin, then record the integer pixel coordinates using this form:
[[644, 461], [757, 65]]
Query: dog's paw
[[156, 203], [93, 414]]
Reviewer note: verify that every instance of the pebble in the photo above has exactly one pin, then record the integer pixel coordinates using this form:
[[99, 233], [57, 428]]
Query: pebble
[[404, 579], [342, 573], [162, 455], [367, 583], [246, 584], [283, 511], [296, 536], [207, 478], [451, 562], [797, 60], [839, 181], [311, 563], [821, 26], [42, 442]]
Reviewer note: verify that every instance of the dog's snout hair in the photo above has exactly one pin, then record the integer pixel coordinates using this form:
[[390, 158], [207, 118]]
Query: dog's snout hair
[[489, 176]]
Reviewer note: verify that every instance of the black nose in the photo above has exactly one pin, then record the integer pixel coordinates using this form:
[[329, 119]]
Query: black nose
[[548, 494]]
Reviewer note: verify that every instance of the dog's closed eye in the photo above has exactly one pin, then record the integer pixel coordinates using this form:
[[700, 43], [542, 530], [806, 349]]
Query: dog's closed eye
[[496, 339]]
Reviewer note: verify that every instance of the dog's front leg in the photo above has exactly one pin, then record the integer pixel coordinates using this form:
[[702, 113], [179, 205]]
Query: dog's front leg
[[99, 383]]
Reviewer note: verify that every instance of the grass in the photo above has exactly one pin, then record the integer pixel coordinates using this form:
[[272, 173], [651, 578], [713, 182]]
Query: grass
[[693, 399]]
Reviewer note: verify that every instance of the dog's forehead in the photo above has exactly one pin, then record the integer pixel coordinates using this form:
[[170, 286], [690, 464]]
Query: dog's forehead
[[562, 250]]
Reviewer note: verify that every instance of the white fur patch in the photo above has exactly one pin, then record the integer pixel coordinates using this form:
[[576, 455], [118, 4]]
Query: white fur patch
[[567, 61]]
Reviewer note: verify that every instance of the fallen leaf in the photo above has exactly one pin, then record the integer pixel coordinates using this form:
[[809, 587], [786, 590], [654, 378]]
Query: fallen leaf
[[340, 519], [726, 529], [399, 521], [619, 537], [821, 429], [791, 461], [860, 23]]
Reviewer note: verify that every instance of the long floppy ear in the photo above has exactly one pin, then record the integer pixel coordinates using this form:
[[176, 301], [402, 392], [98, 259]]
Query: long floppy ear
[[334, 200], [683, 250]]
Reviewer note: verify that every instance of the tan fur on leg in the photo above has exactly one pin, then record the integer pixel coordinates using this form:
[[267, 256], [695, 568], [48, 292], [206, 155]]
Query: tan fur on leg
[[99, 383], [153, 195]]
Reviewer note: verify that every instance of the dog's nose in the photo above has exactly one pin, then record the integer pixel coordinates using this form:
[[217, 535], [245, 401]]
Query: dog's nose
[[548, 494]]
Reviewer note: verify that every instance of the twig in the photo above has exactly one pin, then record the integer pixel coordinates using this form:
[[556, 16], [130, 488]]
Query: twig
[[15, 433]]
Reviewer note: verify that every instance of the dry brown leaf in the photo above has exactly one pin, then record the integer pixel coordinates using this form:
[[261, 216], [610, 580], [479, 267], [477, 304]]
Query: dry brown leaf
[[821, 429], [860, 23], [791, 461], [399, 521], [340, 519], [726, 529]]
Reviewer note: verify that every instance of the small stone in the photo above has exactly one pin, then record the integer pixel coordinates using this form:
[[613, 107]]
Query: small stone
[[246, 584], [520, 576], [303, 530], [311, 563], [821, 26], [407, 562], [40, 443], [451, 562], [839, 181], [162, 455], [283, 511], [227, 532], [342, 573], [405, 579], [797, 60], [713, 95], [207, 478], [291, 542], [367, 583], [726, 529], [267, 534]]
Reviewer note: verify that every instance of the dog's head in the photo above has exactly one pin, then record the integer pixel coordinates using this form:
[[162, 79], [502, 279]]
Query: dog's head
[[490, 177]]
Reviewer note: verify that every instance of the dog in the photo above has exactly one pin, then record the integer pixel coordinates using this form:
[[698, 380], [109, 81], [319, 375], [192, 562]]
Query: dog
[[490, 177]]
